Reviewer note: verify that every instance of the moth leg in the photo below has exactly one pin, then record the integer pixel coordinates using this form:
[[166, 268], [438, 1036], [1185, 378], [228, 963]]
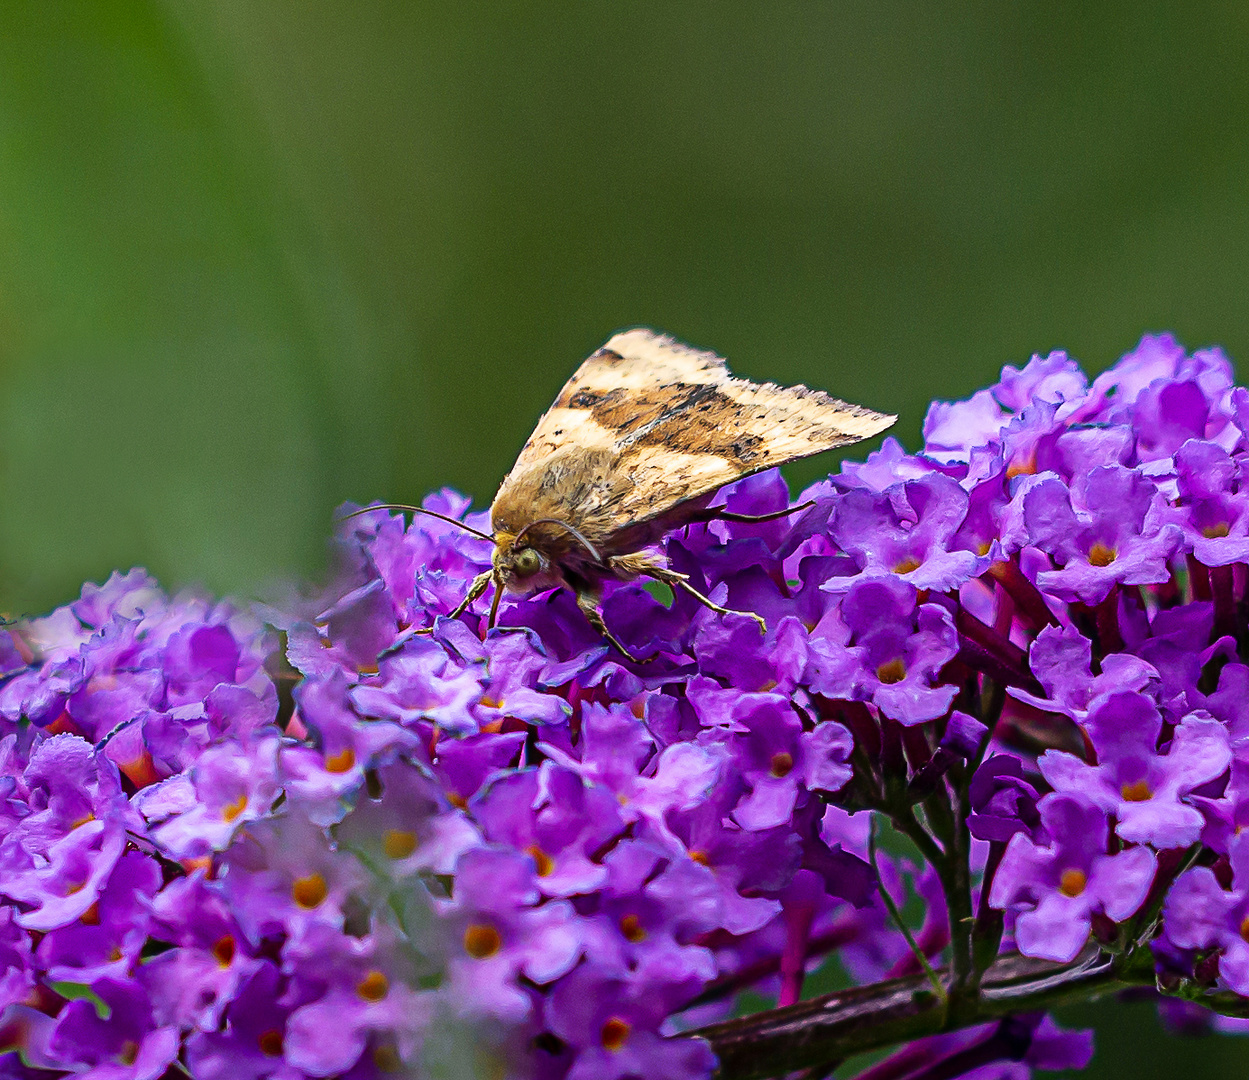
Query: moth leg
[[498, 596], [681, 581], [479, 585], [718, 513], [480, 582], [588, 603]]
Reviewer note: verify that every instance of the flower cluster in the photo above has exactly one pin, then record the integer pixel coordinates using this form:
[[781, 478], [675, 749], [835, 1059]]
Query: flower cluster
[[356, 837]]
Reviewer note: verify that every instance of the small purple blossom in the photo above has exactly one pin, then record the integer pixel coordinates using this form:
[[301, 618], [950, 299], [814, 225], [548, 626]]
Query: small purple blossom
[[1055, 888], [1143, 788], [1201, 913]]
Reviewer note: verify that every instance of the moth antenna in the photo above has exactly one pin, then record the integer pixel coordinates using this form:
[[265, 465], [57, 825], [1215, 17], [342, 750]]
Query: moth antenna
[[419, 510], [563, 525]]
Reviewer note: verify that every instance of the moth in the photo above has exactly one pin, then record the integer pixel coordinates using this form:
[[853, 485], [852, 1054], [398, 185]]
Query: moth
[[637, 444]]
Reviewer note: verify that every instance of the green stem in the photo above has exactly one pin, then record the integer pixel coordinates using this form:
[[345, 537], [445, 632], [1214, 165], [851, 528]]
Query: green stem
[[957, 886], [908, 825], [937, 987]]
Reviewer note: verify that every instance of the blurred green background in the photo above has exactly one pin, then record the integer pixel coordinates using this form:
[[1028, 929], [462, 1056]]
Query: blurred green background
[[261, 256]]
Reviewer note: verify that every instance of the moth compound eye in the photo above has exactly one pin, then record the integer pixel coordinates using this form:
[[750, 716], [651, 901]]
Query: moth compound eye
[[526, 562]]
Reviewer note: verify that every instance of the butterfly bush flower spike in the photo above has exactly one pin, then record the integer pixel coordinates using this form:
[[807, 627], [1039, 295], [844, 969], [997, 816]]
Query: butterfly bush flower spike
[[465, 810]]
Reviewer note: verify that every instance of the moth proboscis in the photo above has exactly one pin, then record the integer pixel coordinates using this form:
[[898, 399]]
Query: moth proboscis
[[637, 443]]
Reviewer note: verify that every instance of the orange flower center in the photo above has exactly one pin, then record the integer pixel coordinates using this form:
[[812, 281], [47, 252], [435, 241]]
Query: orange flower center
[[631, 927], [342, 761], [542, 860], [1137, 791], [1024, 465], [615, 1033], [1072, 882], [373, 986], [482, 940], [309, 891], [223, 950], [232, 810], [782, 762]]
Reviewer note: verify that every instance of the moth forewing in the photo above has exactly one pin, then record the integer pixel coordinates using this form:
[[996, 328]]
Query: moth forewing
[[637, 442]]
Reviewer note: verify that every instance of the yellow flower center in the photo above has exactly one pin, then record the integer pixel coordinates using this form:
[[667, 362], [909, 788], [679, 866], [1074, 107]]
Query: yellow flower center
[[892, 671], [342, 761], [398, 843], [1101, 555], [1137, 791], [782, 763], [232, 810], [907, 565]]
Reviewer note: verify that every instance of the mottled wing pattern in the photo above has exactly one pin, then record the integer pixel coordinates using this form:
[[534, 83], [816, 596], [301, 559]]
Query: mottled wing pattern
[[647, 423]]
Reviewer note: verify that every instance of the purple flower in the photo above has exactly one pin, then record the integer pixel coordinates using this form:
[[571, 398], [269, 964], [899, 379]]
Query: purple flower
[[1061, 658], [1003, 800], [893, 654], [421, 681], [907, 531], [612, 1016], [1108, 528], [251, 1045], [1055, 888], [359, 991], [500, 931], [56, 861], [126, 1046], [1143, 788], [1201, 914], [551, 815]]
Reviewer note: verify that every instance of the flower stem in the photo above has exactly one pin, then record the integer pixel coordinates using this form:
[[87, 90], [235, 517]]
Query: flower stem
[[818, 1030]]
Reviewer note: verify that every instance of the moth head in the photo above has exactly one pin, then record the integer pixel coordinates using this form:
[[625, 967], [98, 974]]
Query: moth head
[[524, 563], [533, 558]]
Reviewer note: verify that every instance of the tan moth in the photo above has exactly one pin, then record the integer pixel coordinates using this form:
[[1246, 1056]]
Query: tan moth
[[637, 443]]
